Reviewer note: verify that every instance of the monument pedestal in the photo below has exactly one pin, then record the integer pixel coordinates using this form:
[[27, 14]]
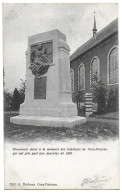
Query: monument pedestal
[[48, 121], [48, 100]]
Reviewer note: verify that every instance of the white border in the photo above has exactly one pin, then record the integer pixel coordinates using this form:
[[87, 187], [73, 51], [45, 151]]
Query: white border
[[91, 192]]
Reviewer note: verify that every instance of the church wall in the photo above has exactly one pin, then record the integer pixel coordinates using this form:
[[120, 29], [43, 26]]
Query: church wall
[[101, 51]]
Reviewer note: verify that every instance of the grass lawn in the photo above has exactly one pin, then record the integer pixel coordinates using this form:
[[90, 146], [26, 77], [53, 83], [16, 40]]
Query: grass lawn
[[88, 131]]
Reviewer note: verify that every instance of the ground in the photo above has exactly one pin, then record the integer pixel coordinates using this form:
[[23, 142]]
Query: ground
[[94, 129], [98, 155]]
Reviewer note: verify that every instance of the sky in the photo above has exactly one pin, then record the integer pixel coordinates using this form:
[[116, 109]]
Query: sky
[[75, 20]]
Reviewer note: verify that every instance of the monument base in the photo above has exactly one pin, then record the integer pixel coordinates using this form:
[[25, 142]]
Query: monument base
[[48, 121]]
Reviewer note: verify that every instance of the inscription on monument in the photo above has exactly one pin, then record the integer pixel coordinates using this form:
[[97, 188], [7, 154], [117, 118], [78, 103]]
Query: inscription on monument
[[40, 88]]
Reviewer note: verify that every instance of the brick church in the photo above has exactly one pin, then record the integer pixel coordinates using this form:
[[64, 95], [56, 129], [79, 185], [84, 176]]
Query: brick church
[[97, 57]]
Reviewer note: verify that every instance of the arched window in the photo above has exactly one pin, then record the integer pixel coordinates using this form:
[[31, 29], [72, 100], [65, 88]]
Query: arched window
[[95, 70], [72, 79], [81, 77], [113, 66]]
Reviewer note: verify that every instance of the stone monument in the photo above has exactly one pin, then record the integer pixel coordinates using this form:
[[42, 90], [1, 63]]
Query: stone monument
[[48, 100]]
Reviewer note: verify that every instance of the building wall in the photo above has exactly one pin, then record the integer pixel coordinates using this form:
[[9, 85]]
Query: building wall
[[101, 51]]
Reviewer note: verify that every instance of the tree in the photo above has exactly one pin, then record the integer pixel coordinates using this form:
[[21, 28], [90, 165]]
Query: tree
[[99, 92], [78, 96], [101, 100], [15, 105], [113, 101], [6, 95], [7, 99], [22, 91]]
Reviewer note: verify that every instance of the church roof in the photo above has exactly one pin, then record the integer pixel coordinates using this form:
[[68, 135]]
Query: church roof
[[101, 35]]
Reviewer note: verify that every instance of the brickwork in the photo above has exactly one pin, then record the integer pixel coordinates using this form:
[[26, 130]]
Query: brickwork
[[101, 51]]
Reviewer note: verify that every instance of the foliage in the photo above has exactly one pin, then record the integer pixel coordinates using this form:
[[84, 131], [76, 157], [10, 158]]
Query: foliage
[[101, 100], [12, 102], [15, 104], [117, 99], [22, 91], [7, 99], [113, 101], [78, 96], [99, 92], [6, 95]]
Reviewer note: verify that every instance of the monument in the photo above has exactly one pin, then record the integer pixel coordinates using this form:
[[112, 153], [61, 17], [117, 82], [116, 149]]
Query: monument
[[48, 100]]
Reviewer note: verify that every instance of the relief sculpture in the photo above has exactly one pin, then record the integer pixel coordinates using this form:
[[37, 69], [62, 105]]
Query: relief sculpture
[[40, 61]]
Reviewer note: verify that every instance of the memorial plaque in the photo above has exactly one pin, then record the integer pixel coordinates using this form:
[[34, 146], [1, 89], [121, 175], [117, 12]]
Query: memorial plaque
[[40, 88]]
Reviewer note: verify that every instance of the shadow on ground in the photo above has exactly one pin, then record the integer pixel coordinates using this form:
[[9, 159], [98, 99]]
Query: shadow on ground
[[89, 131]]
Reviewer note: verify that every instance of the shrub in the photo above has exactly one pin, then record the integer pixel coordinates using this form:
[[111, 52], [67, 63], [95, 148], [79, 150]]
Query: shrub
[[77, 97], [15, 105], [117, 99], [113, 101], [7, 100], [99, 92], [22, 91], [101, 100]]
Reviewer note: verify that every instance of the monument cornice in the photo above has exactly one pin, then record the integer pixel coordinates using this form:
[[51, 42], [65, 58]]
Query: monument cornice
[[63, 44]]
